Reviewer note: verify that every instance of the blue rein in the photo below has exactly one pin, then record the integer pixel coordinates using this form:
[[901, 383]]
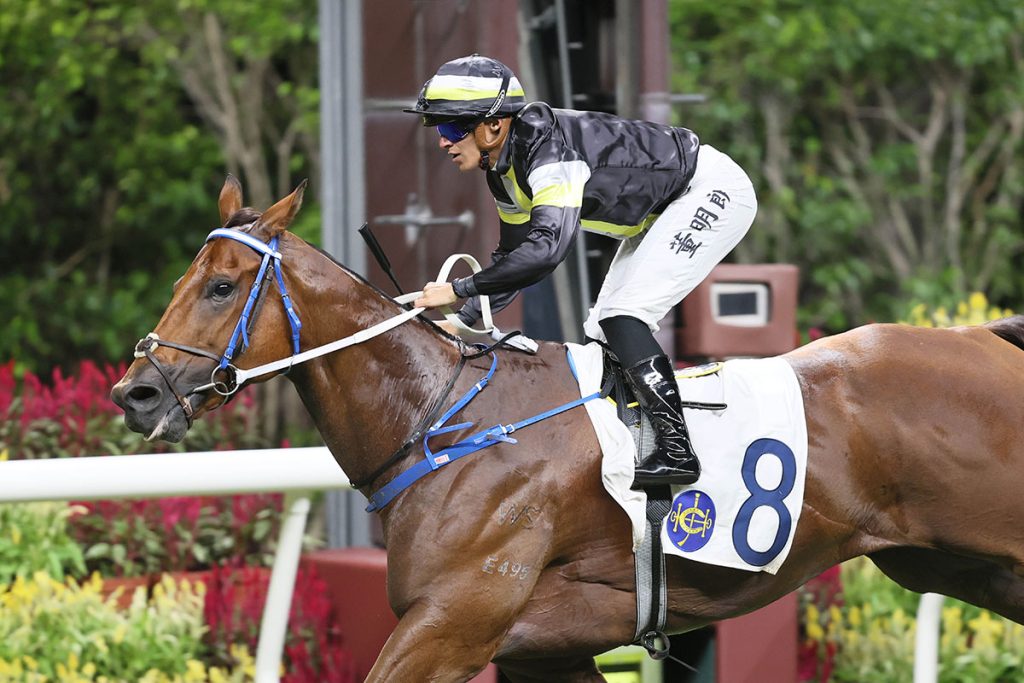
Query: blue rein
[[489, 437]]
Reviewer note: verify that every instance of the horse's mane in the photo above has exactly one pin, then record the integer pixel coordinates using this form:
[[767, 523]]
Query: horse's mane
[[247, 216], [1011, 329]]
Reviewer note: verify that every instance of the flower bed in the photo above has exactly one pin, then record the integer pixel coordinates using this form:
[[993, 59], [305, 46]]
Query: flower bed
[[232, 538], [865, 634], [73, 417]]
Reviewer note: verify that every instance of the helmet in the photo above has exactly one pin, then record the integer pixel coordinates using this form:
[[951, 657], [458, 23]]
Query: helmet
[[473, 87]]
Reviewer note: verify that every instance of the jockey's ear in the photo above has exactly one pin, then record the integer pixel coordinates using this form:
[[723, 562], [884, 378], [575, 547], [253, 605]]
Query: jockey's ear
[[230, 198], [277, 218]]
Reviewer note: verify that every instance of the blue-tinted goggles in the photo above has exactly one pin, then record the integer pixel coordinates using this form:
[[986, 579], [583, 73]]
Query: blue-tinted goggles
[[455, 130]]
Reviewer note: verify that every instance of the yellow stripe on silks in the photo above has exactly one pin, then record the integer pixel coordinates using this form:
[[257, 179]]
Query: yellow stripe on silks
[[469, 94], [524, 202], [562, 195], [515, 218], [616, 229]]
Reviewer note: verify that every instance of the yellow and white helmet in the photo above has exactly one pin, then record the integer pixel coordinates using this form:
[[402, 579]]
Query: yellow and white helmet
[[467, 88]]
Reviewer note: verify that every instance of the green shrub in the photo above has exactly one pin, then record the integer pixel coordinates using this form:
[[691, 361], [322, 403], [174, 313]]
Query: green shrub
[[871, 633], [51, 630], [34, 537]]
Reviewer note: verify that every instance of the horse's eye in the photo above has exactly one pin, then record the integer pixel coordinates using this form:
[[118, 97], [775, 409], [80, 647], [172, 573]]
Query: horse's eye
[[223, 289]]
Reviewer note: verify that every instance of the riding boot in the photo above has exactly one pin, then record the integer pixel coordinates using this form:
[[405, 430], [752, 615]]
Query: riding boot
[[673, 460]]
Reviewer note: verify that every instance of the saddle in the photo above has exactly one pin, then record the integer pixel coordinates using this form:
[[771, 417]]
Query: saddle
[[651, 583]]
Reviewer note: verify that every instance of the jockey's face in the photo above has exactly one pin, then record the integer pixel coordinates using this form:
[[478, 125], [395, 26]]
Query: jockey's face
[[464, 153]]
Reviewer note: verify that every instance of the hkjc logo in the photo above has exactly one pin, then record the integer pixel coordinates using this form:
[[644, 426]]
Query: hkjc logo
[[691, 521]]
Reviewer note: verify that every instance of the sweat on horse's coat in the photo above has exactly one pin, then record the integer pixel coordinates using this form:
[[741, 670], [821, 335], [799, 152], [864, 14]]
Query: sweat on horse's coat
[[915, 458]]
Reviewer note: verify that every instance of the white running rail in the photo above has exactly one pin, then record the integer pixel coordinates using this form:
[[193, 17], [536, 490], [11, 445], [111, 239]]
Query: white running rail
[[295, 471], [926, 638]]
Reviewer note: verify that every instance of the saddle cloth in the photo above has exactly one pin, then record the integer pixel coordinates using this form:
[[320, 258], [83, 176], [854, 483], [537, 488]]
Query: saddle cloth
[[743, 511]]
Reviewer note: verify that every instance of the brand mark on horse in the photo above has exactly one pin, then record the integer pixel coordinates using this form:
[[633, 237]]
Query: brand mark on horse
[[509, 514]]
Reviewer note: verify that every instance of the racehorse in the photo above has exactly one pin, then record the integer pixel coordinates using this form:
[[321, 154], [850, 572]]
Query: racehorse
[[915, 460]]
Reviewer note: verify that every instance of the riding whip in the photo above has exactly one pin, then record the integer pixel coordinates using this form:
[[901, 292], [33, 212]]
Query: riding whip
[[378, 253]]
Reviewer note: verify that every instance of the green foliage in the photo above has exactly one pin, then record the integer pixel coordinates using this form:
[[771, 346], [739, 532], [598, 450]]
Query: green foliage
[[872, 634], [882, 136], [34, 537], [109, 166], [72, 416], [52, 629]]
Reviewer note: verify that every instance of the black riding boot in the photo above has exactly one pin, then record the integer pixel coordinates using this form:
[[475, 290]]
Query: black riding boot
[[673, 460]]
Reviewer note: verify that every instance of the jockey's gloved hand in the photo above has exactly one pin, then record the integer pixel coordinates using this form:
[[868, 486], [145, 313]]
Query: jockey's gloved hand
[[519, 341]]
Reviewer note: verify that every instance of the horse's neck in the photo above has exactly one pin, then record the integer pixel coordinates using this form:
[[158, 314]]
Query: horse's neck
[[366, 400]]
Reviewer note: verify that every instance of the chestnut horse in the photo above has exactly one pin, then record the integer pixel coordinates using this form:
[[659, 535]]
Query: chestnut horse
[[915, 459]]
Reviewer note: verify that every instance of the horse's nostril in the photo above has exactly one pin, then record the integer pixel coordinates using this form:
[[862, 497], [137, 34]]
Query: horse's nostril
[[143, 393]]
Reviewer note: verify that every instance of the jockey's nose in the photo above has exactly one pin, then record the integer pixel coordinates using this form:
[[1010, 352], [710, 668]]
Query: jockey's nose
[[139, 397]]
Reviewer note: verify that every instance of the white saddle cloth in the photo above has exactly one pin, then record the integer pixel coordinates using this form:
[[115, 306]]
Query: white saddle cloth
[[743, 511]]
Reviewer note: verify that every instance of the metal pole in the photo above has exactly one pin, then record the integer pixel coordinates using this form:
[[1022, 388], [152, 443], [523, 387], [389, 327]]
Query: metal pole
[[343, 194], [571, 326]]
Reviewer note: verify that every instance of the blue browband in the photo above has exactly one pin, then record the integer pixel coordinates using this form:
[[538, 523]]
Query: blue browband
[[497, 434], [270, 254]]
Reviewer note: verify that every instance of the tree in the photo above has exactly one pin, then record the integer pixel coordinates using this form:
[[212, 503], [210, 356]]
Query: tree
[[108, 167], [884, 136]]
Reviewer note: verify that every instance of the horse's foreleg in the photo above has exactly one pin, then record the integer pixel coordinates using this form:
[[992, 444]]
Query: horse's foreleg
[[451, 627], [430, 644]]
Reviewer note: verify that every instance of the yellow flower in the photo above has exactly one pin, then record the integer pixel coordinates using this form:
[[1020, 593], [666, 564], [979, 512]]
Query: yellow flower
[[986, 629], [119, 633], [195, 671], [854, 617], [4, 455]]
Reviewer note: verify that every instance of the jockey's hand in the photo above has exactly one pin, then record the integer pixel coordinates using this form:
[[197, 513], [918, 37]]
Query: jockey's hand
[[436, 294]]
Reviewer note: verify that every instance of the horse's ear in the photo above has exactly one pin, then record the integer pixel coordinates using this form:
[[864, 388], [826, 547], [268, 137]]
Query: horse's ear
[[230, 198], [277, 218]]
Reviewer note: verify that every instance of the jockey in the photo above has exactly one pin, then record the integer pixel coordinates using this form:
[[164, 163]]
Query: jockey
[[677, 206]]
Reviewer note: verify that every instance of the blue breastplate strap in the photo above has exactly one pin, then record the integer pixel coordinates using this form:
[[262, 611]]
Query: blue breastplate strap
[[497, 434]]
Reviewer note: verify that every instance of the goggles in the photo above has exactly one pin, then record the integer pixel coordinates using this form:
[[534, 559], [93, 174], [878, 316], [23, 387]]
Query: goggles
[[455, 131]]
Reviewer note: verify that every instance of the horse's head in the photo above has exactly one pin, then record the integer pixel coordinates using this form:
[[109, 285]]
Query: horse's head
[[185, 367]]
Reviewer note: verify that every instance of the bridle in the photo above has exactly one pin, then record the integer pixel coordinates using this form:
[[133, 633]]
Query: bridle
[[226, 378]]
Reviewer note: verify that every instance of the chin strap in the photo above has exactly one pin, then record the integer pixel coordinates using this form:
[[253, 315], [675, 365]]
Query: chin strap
[[485, 160]]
